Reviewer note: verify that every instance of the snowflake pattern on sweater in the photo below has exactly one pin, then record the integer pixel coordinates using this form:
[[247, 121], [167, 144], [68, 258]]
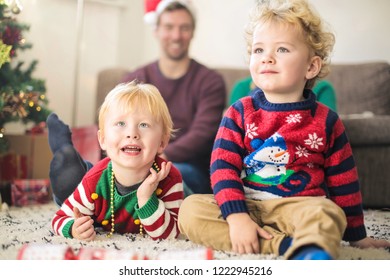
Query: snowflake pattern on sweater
[[92, 196], [266, 150]]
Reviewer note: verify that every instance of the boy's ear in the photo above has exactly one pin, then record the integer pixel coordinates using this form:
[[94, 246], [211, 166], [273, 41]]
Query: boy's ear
[[314, 67], [101, 140]]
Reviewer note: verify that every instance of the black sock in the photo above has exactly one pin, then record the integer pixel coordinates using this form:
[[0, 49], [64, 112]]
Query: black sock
[[67, 169], [58, 132]]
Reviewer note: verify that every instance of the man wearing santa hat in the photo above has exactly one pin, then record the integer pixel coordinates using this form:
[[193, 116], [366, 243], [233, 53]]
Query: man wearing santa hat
[[195, 96]]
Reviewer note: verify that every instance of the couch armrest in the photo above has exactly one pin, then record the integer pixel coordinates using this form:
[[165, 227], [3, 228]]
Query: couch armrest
[[368, 131]]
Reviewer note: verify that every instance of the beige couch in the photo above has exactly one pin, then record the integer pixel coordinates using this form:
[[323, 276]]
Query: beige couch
[[363, 102]]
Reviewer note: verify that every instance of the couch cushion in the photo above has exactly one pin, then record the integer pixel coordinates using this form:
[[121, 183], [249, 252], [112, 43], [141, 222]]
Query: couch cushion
[[362, 87], [374, 131]]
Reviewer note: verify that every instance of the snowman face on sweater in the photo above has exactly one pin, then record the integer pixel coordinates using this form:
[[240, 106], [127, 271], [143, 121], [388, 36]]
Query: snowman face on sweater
[[269, 158], [273, 150], [272, 155]]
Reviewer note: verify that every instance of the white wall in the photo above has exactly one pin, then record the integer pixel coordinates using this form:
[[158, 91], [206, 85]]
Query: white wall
[[361, 29], [53, 33], [116, 36]]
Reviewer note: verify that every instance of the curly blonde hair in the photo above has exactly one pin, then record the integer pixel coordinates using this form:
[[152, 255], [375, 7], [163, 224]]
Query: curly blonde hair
[[301, 15]]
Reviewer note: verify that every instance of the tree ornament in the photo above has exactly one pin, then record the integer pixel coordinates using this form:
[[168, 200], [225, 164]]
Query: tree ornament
[[22, 97], [4, 53], [15, 6]]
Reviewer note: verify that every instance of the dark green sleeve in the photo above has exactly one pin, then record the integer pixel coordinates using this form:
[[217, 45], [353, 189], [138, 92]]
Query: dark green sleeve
[[326, 94], [240, 89]]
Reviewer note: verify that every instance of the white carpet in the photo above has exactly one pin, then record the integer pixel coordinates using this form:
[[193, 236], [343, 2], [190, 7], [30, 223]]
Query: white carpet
[[31, 225]]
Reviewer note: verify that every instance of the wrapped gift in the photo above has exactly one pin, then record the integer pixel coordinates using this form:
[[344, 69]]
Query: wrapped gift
[[65, 252], [45, 252], [89, 253], [30, 191], [12, 166], [36, 149], [202, 253]]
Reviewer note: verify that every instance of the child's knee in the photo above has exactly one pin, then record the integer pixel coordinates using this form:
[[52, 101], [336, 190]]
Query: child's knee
[[187, 212], [195, 210], [333, 211], [188, 204]]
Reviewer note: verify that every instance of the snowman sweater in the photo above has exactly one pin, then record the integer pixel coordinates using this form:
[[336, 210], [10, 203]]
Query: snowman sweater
[[92, 197], [266, 150]]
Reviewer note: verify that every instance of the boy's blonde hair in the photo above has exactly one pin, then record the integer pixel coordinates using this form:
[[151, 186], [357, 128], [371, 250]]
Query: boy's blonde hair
[[132, 96], [301, 15]]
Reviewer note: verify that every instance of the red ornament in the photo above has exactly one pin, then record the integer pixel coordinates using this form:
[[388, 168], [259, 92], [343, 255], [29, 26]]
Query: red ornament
[[11, 36]]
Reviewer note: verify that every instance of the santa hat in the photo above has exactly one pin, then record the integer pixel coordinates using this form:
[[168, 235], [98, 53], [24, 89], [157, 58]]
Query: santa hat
[[153, 8]]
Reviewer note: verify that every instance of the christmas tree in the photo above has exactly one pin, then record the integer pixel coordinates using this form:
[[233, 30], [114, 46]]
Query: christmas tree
[[22, 97]]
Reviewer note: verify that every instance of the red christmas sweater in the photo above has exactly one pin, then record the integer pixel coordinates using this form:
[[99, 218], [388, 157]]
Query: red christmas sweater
[[92, 196], [265, 150]]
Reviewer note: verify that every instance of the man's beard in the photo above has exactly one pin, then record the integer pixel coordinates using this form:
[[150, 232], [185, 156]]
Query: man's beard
[[178, 57], [176, 54]]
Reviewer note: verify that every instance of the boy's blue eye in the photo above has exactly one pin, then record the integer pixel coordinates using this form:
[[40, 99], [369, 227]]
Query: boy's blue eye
[[120, 123], [144, 125], [282, 50]]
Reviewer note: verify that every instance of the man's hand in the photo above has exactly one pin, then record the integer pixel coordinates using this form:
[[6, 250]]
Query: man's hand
[[245, 233], [82, 228]]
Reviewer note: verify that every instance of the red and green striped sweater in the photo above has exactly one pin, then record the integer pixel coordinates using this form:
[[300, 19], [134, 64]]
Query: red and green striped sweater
[[92, 196], [265, 150]]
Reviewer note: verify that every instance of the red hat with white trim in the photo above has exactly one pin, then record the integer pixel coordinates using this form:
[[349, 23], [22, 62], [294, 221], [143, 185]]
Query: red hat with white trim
[[153, 8]]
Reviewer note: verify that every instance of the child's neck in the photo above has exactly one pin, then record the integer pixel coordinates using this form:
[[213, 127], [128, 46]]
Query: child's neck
[[130, 177], [278, 98]]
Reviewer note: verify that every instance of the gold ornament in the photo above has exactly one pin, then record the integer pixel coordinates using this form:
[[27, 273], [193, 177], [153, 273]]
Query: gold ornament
[[4, 53], [14, 6], [112, 204]]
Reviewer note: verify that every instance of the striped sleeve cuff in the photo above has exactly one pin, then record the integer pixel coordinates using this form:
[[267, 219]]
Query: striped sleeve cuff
[[355, 234], [233, 206], [149, 208]]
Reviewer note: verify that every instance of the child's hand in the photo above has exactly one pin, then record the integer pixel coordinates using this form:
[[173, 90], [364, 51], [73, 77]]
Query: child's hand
[[149, 185], [244, 233], [82, 228], [369, 242]]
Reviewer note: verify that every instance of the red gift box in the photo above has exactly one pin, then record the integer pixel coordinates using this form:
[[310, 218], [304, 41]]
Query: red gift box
[[30, 191], [45, 252], [12, 166], [36, 149]]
